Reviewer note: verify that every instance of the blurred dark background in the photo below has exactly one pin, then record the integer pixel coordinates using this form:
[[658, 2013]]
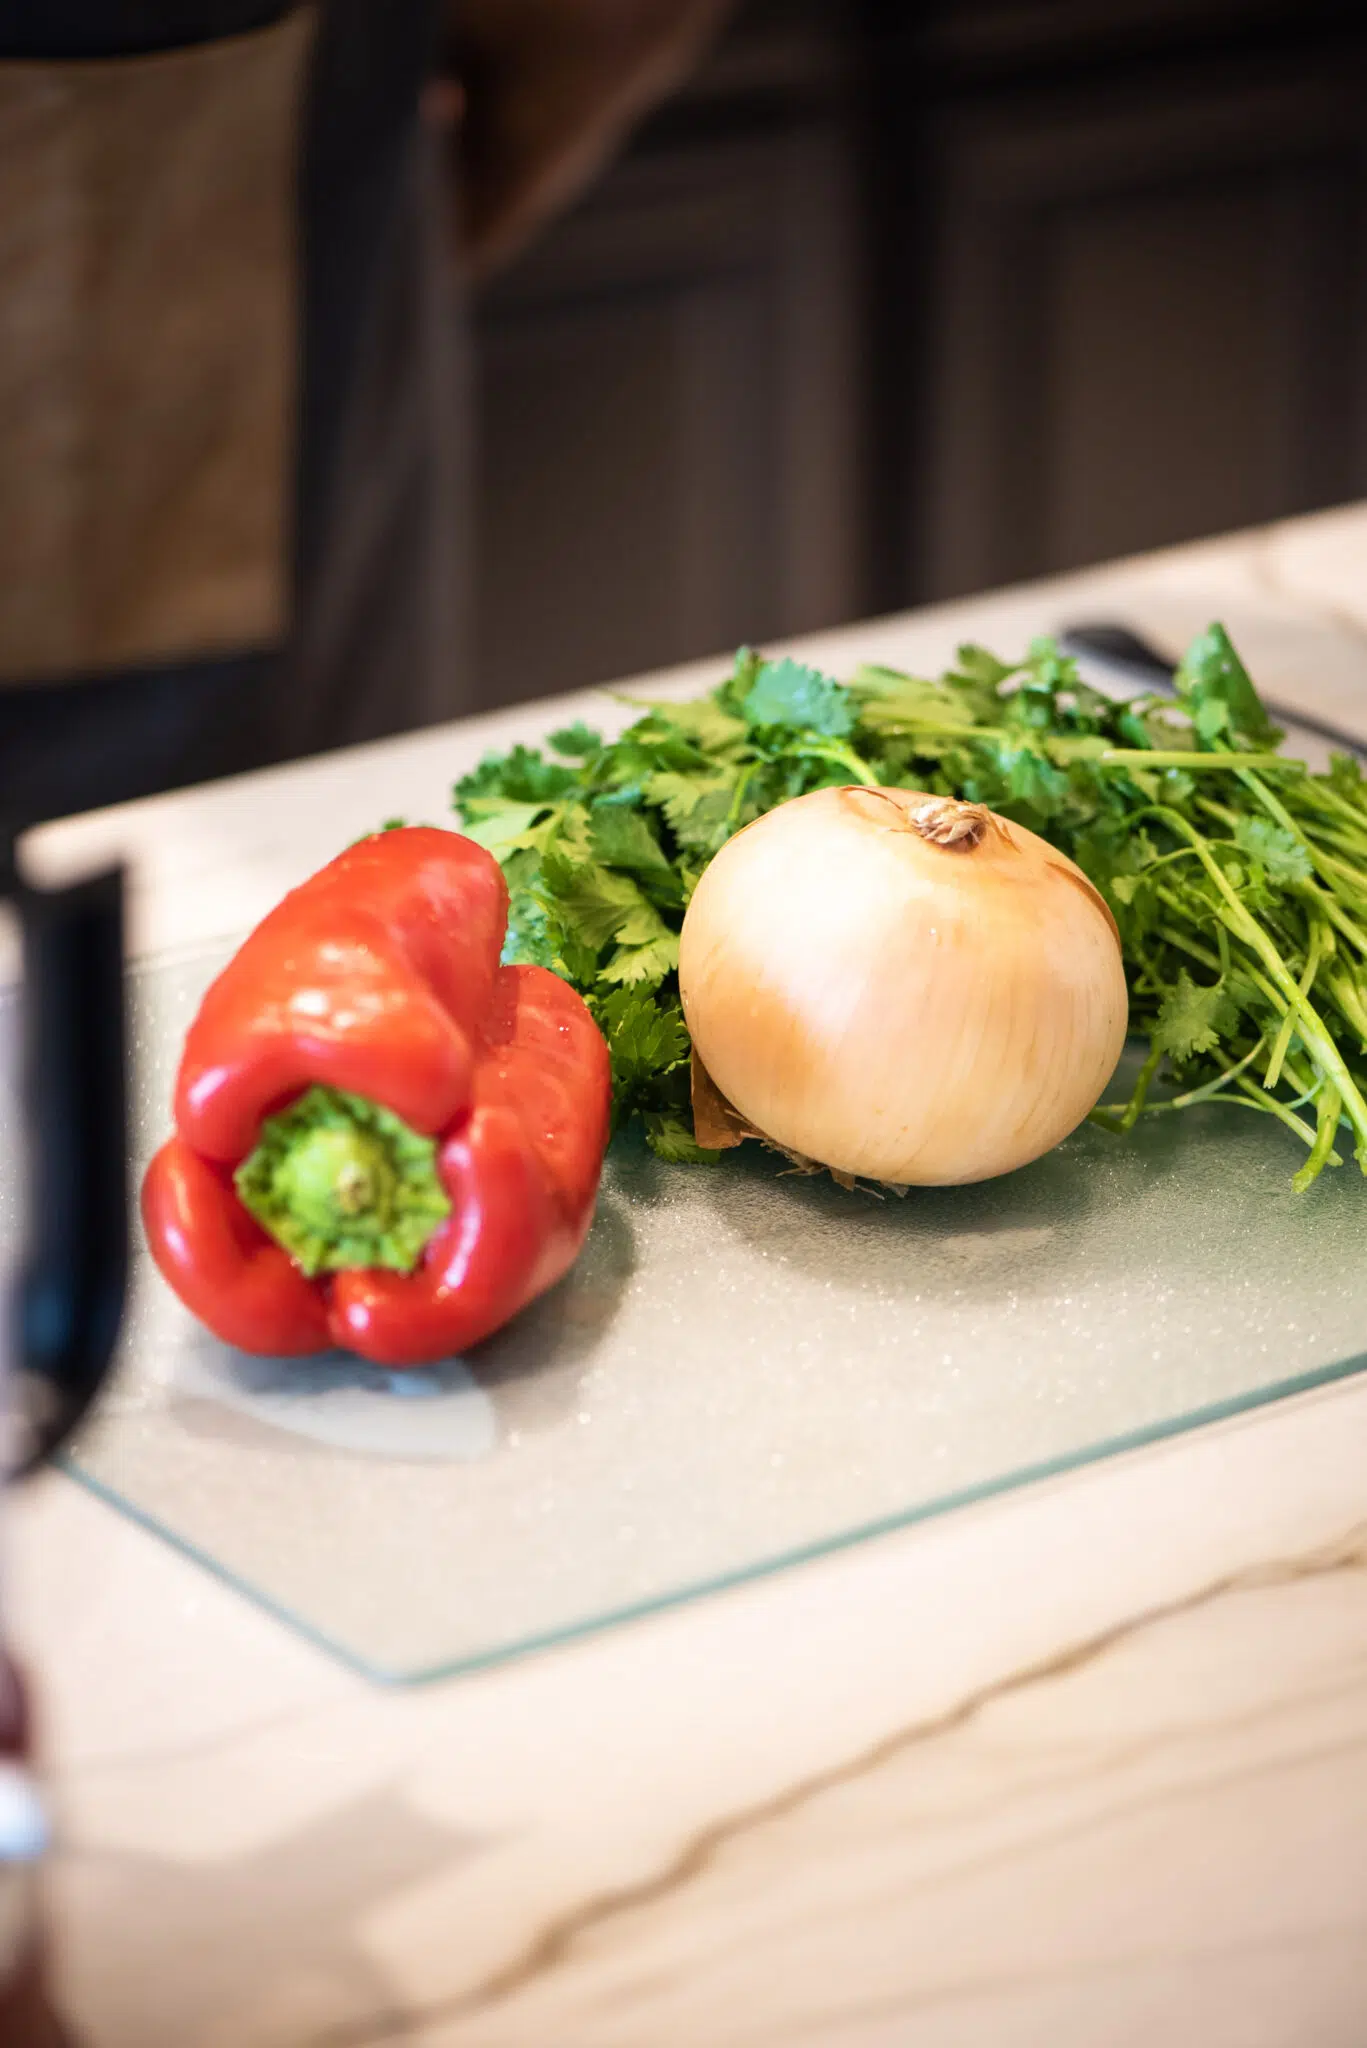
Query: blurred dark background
[[367, 364], [886, 304]]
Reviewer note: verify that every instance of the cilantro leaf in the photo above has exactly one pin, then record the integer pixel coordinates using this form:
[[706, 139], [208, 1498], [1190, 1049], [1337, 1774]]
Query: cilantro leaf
[[527, 942], [1047, 670], [1034, 781], [623, 838], [976, 665], [595, 903], [647, 1041], [697, 807], [1283, 857], [671, 1138], [785, 693], [645, 963], [1193, 1019], [1211, 673], [700, 727], [502, 826], [1210, 717], [576, 741], [887, 698], [522, 774], [733, 692], [1345, 776]]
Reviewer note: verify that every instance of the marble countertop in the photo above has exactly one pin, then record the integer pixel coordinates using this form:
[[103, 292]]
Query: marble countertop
[[1085, 1764]]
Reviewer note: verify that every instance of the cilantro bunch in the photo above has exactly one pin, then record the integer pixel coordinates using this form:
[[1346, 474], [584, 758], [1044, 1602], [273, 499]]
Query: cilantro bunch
[[1237, 878]]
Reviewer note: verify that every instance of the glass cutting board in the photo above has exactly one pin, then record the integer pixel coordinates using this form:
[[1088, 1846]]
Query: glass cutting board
[[746, 1367]]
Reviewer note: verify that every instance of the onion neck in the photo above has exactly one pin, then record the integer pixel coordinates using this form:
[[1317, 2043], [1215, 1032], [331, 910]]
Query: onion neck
[[946, 821], [940, 820]]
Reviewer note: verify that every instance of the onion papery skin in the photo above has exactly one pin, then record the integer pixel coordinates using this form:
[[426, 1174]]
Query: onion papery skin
[[898, 1009]]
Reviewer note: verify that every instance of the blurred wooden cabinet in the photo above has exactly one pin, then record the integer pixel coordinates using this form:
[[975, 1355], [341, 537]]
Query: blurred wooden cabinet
[[903, 301], [667, 390], [1147, 317]]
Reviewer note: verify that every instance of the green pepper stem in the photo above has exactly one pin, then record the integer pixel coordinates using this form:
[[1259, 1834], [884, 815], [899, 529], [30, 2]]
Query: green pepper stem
[[342, 1183]]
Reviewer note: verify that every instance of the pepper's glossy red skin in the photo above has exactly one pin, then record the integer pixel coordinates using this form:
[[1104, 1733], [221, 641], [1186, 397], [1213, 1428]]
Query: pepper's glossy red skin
[[381, 975]]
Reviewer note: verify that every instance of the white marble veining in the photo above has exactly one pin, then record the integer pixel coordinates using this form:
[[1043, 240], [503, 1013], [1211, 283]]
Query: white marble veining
[[1086, 1765]]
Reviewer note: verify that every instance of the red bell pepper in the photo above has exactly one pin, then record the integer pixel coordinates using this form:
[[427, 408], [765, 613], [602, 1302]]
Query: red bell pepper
[[384, 1139]]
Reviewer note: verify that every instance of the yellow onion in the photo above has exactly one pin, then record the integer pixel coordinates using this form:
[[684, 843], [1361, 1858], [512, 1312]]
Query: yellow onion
[[902, 987]]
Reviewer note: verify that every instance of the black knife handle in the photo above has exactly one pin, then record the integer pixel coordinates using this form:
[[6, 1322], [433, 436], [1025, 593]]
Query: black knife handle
[[66, 1309], [1119, 647]]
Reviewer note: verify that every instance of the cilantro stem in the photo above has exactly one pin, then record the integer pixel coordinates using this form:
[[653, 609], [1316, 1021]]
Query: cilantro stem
[[1346, 881], [1164, 859], [1270, 803], [1185, 944], [1283, 1038], [1322, 1151], [1166, 757], [1209, 1091], [1313, 1034], [947, 729], [1322, 835], [738, 798], [1305, 1084], [1321, 797], [843, 757], [1259, 1098], [1350, 1005], [1339, 917], [1083, 747], [1123, 1117], [1271, 996], [1278, 811]]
